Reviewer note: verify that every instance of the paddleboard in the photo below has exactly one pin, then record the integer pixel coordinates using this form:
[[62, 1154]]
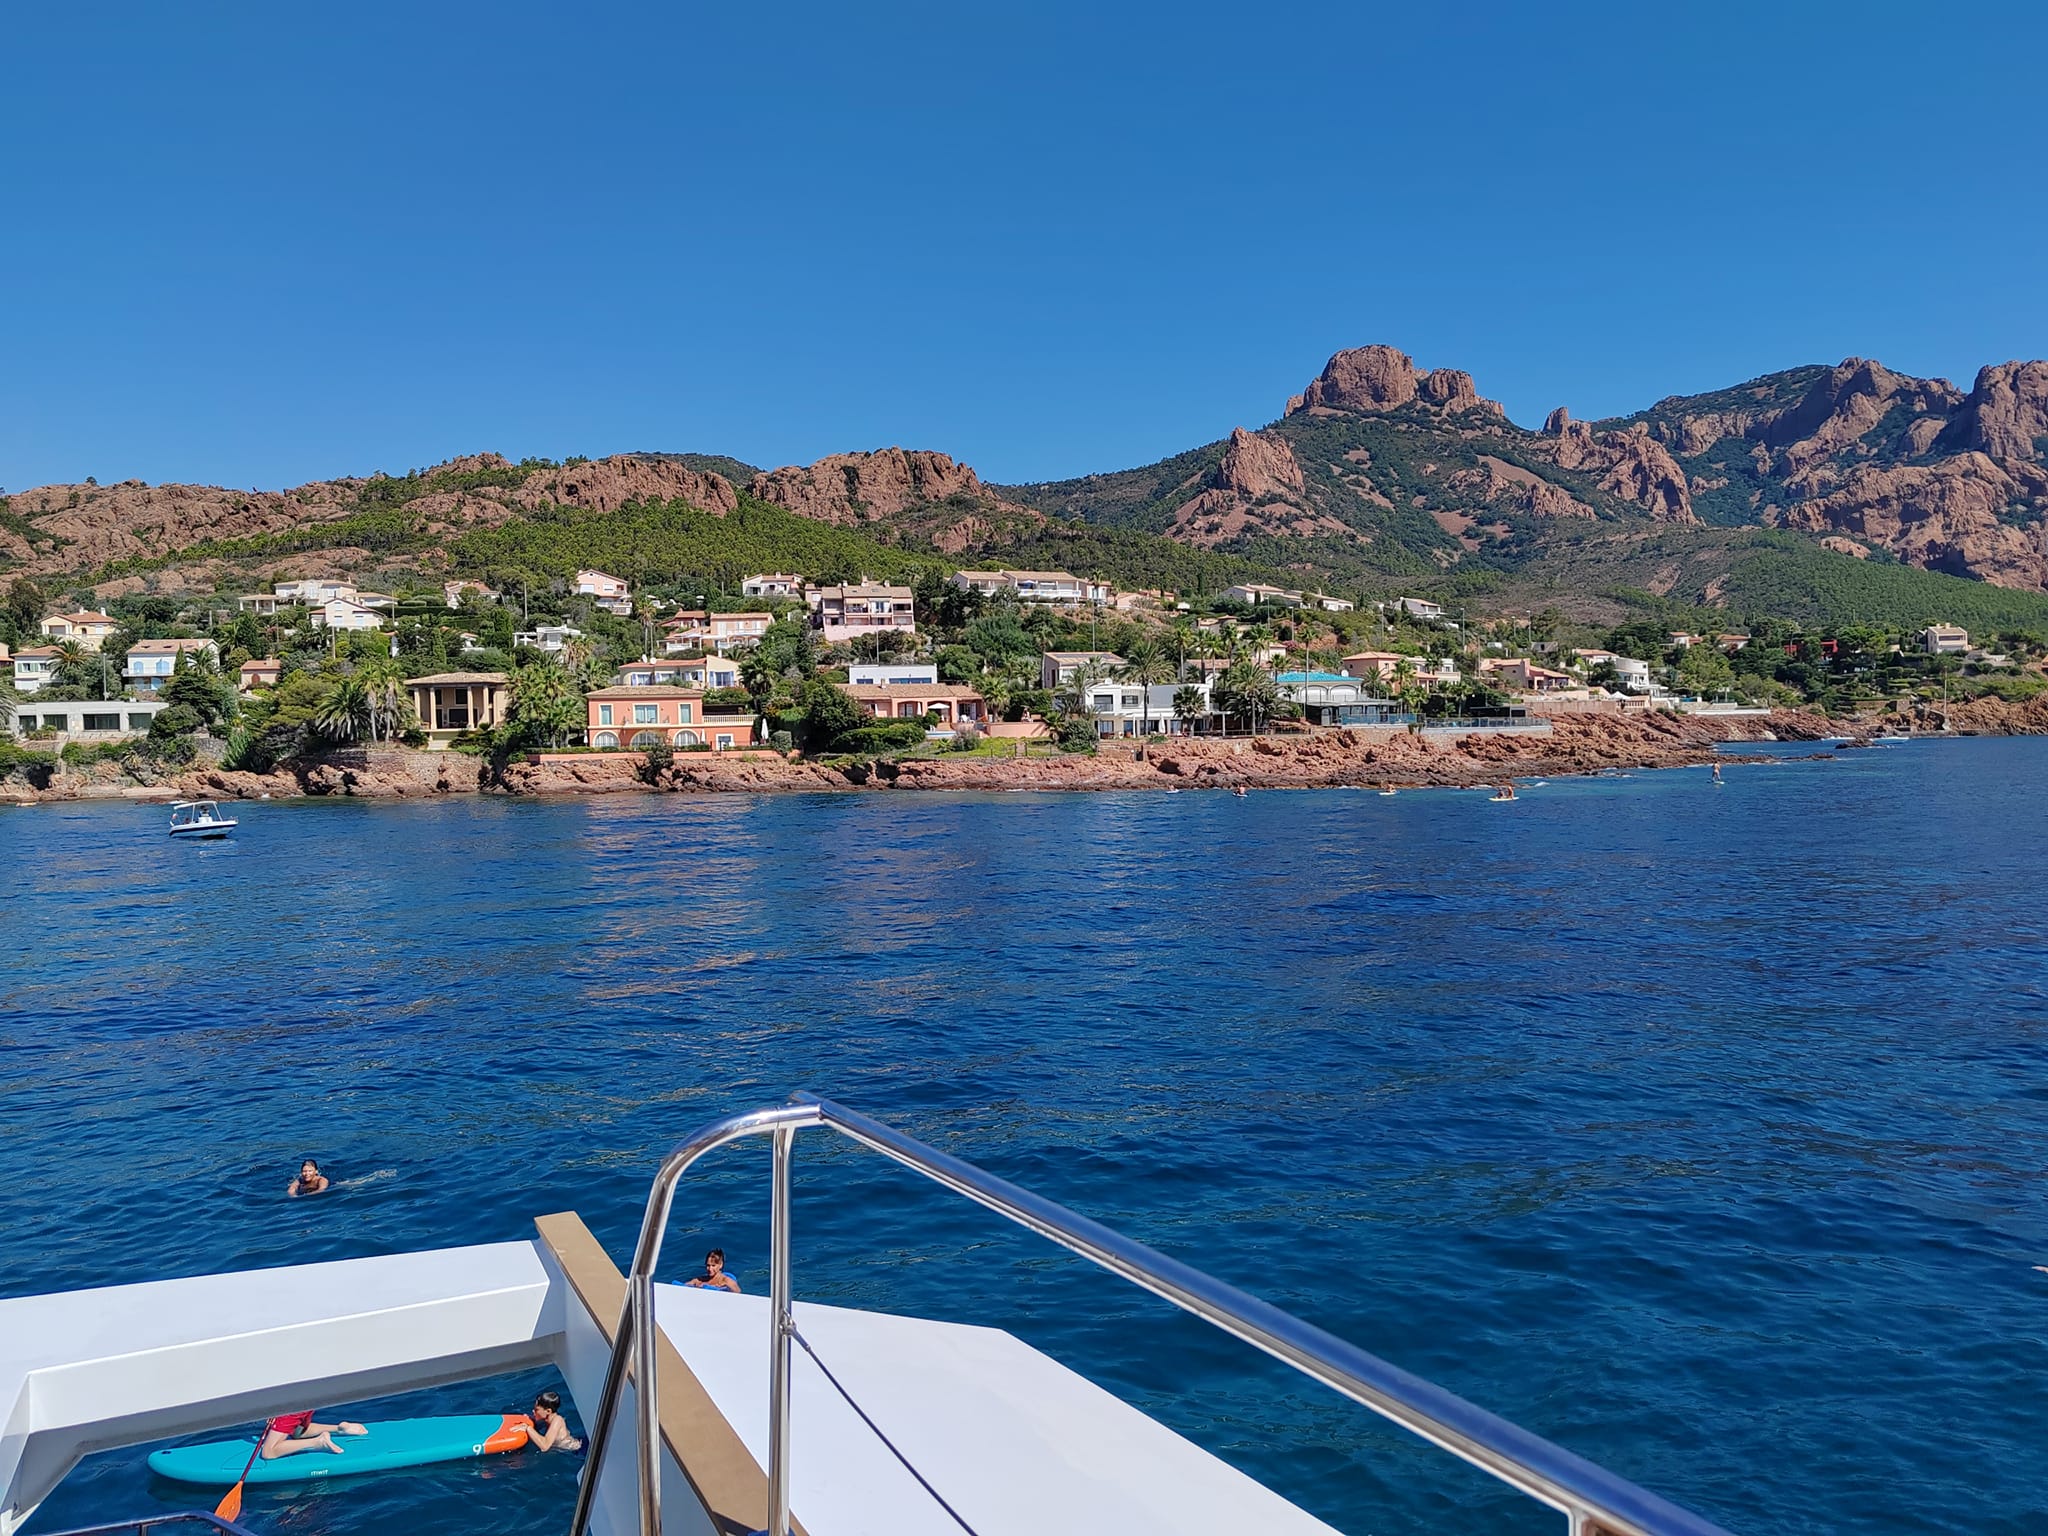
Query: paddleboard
[[394, 1443]]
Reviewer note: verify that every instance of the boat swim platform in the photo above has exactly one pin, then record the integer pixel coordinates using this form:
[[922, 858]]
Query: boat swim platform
[[1013, 1440]]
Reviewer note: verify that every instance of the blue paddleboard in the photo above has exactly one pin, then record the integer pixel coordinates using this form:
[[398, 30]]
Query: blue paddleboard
[[394, 1443]]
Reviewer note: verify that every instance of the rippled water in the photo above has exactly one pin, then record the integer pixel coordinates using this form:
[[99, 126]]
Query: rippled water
[[1700, 1130]]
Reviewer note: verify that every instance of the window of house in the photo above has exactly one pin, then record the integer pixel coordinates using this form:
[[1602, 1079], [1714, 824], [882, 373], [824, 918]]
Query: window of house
[[101, 723], [138, 722], [683, 713], [604, 714], [606, 739], [646, 714]]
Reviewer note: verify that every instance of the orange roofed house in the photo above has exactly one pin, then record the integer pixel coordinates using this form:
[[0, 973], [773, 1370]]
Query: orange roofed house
[[944, 702], [636, 718]]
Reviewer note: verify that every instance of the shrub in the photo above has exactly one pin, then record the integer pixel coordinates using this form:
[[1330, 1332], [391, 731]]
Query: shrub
[[781, 741], [887, 736], [1074, 733], [660, 758], [178, 720], [966, 736]]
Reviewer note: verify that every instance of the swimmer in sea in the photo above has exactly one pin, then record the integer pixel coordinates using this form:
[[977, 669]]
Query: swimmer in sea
[[549, 1431], [714, 1277], [311, 1181]]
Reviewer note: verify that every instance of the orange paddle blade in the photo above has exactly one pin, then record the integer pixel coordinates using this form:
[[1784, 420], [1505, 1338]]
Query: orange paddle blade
[[230, 1507]]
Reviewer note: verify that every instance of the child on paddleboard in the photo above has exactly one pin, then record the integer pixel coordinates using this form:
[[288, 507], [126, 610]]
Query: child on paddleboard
[[292, 1433], [549, 1431]]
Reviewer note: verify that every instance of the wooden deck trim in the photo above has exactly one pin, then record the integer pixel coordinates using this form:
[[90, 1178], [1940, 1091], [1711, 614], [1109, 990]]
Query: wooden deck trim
[[728, 1482]]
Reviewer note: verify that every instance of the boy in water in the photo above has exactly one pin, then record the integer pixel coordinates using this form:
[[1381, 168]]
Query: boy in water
[[714, 1277], [311, 1181], [292, 1433], [549, 1431]]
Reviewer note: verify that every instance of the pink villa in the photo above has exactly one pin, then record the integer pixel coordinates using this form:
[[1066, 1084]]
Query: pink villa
[[944, 702], [635, 718]]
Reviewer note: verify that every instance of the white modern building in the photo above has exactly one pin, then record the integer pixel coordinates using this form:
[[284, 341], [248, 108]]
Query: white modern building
[[548, 637], [87, 720], [775, 584], [1254, 593], [1339, 699], [1058, 587], [1056, 669], [1945, 640], [1138, 709], [879, 674], [34, 667]]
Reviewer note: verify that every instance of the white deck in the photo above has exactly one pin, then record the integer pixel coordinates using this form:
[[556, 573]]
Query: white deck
[[1016, 1442], [84, 1371]]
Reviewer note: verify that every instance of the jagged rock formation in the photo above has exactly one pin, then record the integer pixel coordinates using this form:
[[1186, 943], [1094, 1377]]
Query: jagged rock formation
[[1258, 488], [1880, 460], [1382, 378], [1627, 464]]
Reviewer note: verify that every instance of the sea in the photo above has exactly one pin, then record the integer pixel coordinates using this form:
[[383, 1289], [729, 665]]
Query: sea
[[1698, 1128]]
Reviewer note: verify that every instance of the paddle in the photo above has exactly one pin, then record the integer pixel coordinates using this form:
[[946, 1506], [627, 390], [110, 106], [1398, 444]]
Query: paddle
[[230, 1506]]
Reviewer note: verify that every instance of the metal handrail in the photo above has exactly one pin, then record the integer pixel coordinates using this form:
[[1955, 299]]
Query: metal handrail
[[144, 1524], [1595, 1501]]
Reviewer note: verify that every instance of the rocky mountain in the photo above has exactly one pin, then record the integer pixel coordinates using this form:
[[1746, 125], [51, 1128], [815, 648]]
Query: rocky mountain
[[1377, 473], [1875, 460]]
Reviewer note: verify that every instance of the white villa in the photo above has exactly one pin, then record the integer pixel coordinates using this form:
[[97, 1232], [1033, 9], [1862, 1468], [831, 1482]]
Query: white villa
[[1035, 586], [150, 663], [879, 674], [776, 584], [345, 613], [1057, 668]]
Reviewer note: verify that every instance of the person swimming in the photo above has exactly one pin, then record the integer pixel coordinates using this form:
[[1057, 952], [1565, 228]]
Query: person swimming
[[549, 1431], [714, 1277], [291, 1433], [311, 1181]]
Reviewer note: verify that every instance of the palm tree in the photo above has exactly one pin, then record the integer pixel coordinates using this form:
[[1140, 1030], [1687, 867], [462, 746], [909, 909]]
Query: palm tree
[[383, 683], [1076, 697], [347, 713], [1145, 664]]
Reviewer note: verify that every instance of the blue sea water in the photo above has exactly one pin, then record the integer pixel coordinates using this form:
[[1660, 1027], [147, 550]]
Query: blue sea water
[[1701, 1130]]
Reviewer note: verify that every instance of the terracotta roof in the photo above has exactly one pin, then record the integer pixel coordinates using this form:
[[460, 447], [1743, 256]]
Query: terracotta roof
[[645, 691], [83, 618], [270, 664], [447, 679], [170, 647], [37, 651], [909, 691]]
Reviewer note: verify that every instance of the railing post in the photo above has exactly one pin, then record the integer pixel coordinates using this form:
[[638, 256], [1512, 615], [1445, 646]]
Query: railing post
[[647, 1401], [780, 1323]]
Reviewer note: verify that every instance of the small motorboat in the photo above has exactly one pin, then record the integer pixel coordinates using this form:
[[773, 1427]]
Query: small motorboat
[[1390, 790], [199, 819]]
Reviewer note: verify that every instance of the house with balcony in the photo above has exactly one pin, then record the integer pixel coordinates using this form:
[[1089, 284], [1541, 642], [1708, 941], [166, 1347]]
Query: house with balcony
[[311, 591], [255, 675], [550, 638], [1945, 640], [1340, 700], [638, 717], [1330, 604], [706, 672], [725, 631], [1140, 709], [1525, 676], [775, 584], [453, 593], [1061, 588], [34, 667], [1056, 669], [877, 672], [149, 664], [1254, 593], [87, 628], [449, 703], [608, 592], [946, 704], [345, 613], [865, 608]]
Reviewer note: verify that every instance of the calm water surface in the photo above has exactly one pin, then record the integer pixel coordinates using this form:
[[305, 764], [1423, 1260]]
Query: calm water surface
[[1701, 1130]]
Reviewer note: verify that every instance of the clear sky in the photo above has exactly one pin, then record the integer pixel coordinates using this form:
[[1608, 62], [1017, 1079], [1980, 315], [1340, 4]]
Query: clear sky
[[257, 245]]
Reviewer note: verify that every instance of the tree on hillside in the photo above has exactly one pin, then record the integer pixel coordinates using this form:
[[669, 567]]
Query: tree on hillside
[[346, 714], [827, 713], [1245, 692], [1704, 670], [197, 685], [546, 705]]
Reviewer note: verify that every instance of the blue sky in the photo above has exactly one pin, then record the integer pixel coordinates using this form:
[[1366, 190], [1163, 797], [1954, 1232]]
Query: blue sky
[[257, 245]]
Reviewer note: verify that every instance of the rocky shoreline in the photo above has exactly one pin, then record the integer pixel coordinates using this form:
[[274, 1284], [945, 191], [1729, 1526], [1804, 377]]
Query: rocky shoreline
[[1576, 744]]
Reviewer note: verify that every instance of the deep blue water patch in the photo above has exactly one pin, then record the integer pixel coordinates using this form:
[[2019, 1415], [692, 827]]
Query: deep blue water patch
[[1700, 1129]]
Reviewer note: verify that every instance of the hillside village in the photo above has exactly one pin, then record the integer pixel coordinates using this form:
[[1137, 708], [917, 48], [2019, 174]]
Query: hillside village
[[991, 661]]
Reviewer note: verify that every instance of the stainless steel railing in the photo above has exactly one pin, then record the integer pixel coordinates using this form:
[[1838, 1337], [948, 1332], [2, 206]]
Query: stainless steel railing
[[1593, 1500]]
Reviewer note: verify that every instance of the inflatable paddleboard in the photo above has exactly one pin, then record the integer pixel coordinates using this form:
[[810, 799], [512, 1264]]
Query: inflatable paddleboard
[[395, 1443]]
